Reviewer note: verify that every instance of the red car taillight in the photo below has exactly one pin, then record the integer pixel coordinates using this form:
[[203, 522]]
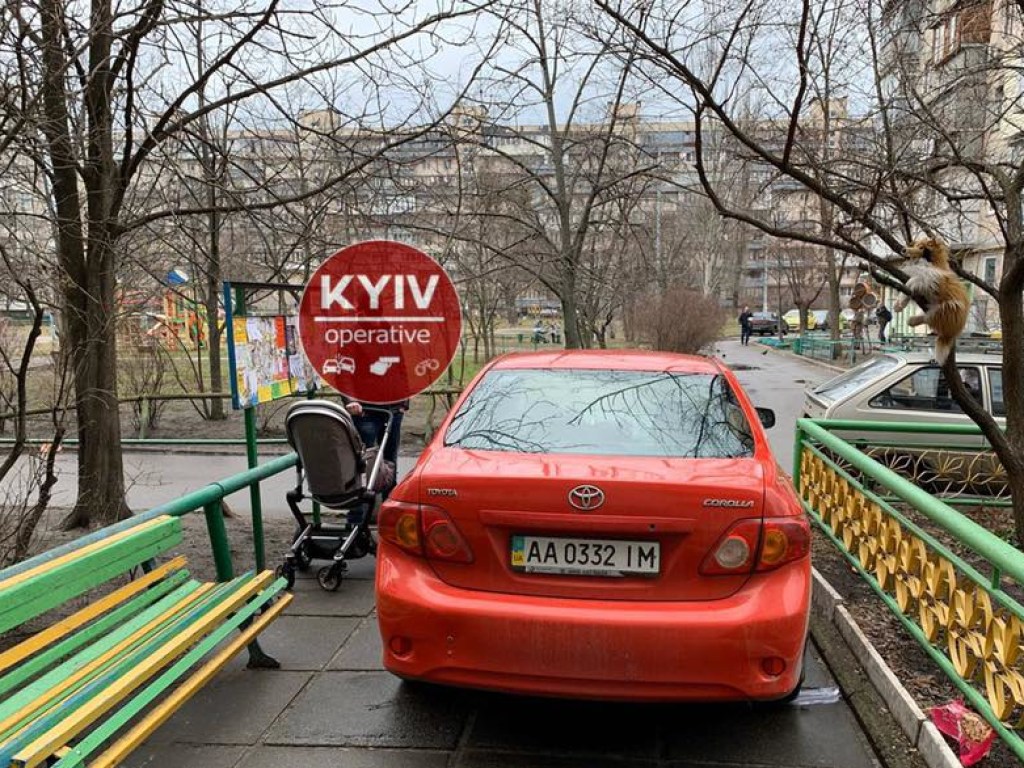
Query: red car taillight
[[399, 524], [759, 545], [424, 531]]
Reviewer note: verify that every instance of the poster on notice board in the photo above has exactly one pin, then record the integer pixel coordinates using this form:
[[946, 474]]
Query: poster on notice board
[[268, 363]]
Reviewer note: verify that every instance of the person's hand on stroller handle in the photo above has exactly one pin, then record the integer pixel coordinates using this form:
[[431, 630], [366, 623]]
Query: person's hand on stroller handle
[[354, 408]]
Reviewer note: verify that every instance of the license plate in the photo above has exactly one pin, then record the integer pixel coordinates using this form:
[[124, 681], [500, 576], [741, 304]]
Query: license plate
[[585, 557]]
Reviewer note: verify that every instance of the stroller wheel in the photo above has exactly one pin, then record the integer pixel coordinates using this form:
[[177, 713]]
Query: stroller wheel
[[329, 577], [303, 557], [287, 572]]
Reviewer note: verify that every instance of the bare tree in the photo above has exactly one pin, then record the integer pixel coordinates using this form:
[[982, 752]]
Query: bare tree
[[536, 128], [27, 479], [802, 276], [95, 92], [930, 151]]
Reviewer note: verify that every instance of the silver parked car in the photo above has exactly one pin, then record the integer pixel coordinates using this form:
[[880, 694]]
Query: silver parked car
[[909, 387]]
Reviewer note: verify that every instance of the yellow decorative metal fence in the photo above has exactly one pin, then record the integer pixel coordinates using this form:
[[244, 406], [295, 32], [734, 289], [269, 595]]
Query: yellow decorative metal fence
[[951, 582]]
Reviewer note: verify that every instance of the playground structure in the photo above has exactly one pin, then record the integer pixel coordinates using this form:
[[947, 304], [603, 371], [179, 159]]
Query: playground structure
[[170, 319]]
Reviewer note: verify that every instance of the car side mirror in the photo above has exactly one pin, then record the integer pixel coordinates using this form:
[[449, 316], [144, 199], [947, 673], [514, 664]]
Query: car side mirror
[[767, 417]]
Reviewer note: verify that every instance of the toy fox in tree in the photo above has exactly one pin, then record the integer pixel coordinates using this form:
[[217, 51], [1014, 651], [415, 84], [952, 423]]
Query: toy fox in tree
[[937, 289]]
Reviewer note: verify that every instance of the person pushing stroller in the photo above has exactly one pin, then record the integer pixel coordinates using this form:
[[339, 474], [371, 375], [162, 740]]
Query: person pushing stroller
[[371, 421]]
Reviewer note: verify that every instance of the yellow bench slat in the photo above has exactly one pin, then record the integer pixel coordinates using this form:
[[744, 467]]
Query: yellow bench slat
[[43, 747], [55, 693], [61, 629], [116, 753]]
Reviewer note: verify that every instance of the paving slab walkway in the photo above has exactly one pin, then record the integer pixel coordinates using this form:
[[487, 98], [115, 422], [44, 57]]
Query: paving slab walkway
[[332, 704]]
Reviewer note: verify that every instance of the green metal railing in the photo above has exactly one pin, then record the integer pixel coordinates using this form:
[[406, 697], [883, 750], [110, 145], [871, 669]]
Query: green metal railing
[[958, 607], [210, 499], [848, 351], [961, 469], [845, 351]]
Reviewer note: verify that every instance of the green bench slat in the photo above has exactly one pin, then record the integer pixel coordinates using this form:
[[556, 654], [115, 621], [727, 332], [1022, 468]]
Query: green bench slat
[[34, 596], [97, 685], [84, 749], [66, 669], [41, 661], [111, 669]]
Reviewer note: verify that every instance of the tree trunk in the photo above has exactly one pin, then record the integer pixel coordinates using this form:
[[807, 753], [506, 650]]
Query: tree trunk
[[212, 306], [86, 271], [1011, 314], [835, 306], [572, 328], [1008, 447], [94, 357]]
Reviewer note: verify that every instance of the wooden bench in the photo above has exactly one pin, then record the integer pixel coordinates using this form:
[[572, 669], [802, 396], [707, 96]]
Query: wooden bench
[[92, 686]]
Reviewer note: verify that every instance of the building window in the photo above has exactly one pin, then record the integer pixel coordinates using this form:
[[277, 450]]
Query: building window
[[990, 270]]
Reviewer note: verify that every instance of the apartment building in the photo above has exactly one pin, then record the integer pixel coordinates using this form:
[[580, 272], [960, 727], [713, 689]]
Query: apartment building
[[951, 71]]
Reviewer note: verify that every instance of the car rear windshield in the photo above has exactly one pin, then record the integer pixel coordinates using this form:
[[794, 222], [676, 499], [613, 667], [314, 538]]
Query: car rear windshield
[[848, 383], [607, 412]]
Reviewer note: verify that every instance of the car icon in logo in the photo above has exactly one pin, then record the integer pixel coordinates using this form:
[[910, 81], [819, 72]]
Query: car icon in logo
[[339, 365], [586, 497]]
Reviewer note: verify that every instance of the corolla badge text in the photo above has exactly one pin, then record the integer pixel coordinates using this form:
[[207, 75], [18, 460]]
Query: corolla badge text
[[735, 503]]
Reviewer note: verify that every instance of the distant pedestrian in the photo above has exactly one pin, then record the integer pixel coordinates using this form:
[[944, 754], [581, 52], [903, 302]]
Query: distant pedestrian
[[744, 319], [884, 318]]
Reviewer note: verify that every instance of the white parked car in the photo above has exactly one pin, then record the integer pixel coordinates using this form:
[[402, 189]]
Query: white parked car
[[908, 387]]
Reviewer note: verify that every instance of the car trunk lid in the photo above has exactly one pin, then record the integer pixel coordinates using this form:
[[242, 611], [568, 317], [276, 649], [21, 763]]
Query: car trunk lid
[[505, 501]]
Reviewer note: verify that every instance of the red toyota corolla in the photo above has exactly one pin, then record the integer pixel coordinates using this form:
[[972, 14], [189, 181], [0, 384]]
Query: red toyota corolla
[[607, 525]]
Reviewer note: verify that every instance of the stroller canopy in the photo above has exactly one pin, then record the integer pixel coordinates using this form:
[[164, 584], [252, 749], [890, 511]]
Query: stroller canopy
[[330, 450]]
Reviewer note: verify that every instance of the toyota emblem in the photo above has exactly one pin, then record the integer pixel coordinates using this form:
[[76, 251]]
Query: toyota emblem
[[586, 497]]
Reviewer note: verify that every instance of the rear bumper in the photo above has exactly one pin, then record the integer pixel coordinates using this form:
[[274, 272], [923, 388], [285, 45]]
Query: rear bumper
[[593, 649]]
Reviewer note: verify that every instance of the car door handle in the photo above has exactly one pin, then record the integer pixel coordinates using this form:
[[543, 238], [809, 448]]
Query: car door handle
[[586, 522]]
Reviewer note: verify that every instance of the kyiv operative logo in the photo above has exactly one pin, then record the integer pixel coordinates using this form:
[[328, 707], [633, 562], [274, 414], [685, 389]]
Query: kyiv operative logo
[[380, 321]]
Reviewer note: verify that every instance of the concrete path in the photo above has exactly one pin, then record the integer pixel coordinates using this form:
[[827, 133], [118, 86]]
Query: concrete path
[[332, 704], [156, 478], [777, 381]]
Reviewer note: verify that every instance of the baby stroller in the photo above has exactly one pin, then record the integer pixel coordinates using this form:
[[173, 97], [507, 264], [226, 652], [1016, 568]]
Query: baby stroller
[[333, 467]]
